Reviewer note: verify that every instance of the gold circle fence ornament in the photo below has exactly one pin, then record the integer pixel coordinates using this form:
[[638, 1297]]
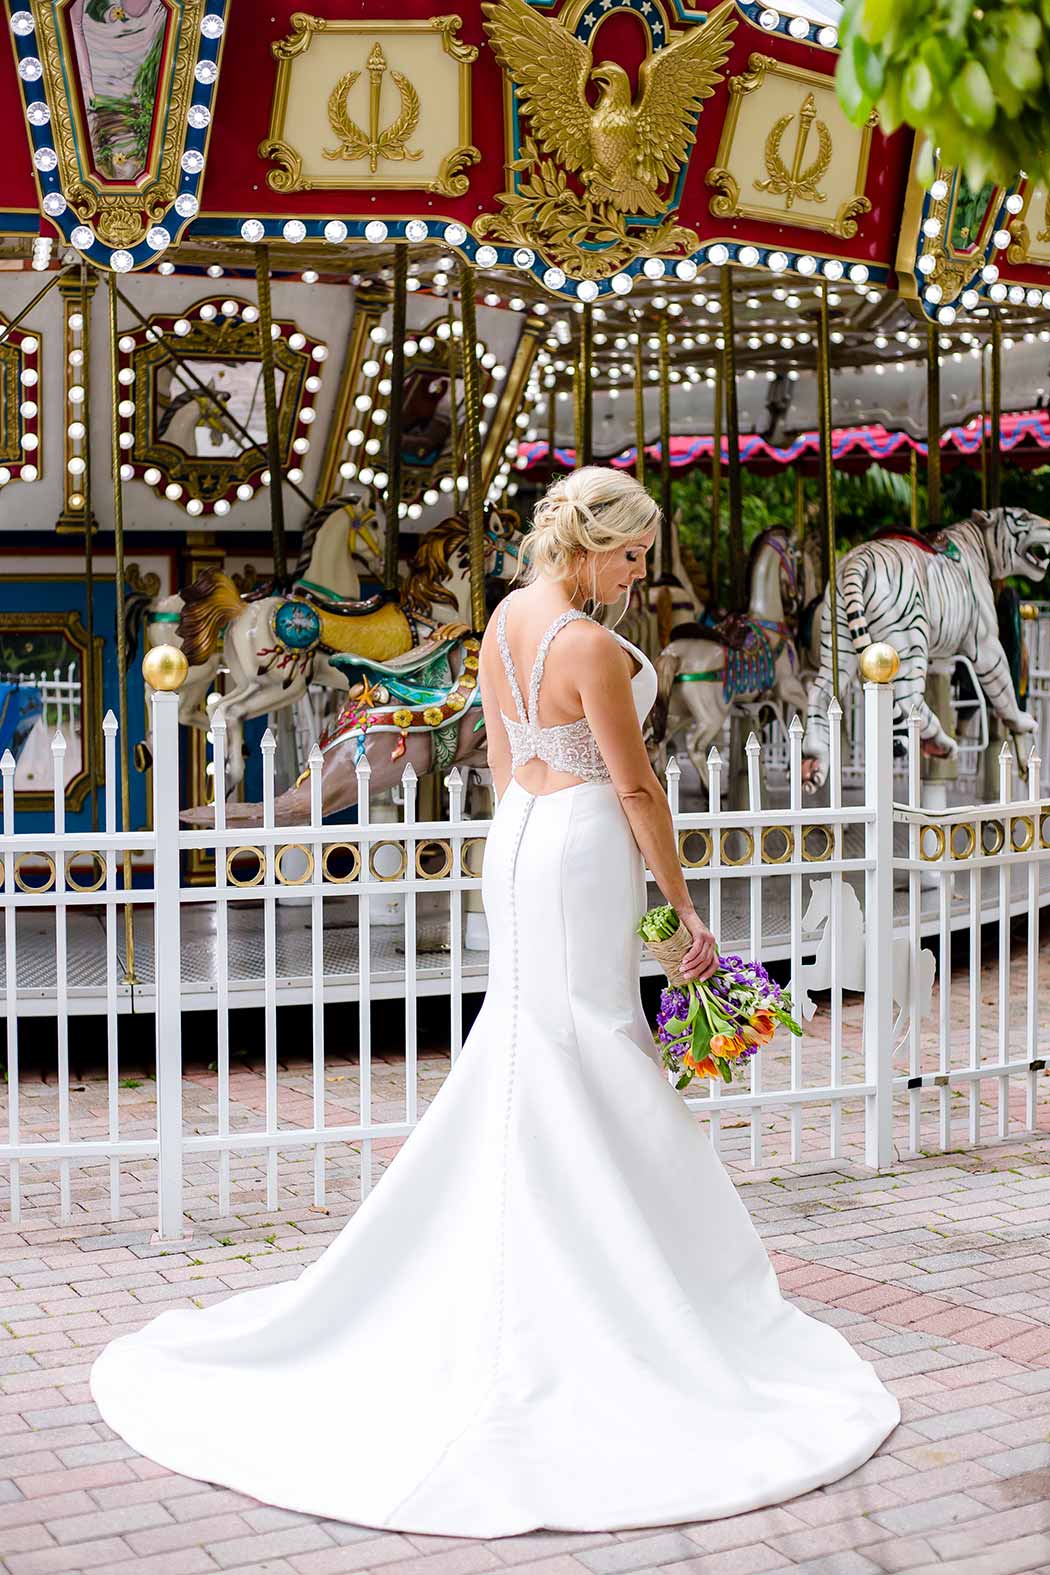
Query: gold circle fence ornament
[[787, 836], [937, 833], [1044, 821], [260, 873], [28, 886], [98, 864], [445, 849], [748, 853], [879, 663], [1027, 836], [993, 837], [1028, 611], [472, 846], [402, 860], [355, 863], [164, 668], [704, 838], [822, 852], [293, 880], [965, 849]]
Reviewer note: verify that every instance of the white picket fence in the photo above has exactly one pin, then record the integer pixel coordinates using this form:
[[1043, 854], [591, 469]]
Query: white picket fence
[[60, 696], [850, 897]]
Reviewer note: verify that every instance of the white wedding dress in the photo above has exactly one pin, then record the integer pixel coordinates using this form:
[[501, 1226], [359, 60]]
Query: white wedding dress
[[553, 1310]]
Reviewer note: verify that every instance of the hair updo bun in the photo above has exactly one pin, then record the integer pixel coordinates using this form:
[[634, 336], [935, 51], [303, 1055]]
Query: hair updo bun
[[593, 510]]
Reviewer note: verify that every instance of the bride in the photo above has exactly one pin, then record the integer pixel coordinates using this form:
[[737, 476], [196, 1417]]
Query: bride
[[553, 1310]]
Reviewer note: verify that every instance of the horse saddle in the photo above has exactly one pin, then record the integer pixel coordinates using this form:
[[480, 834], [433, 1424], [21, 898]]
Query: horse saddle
[[319, 598], [735, 631], [377, 629], [937, 541]]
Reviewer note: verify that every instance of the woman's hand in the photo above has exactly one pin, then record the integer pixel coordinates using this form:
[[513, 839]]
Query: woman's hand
[[701, 960]]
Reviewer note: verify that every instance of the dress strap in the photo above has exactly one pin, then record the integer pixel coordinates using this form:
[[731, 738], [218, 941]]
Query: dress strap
[[541, 657], [508, 661]]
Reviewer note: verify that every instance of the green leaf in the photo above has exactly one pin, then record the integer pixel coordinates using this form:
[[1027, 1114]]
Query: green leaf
[[917, 88], [725, 1069], [869, 68], [855, 102], [876, 19], [685, 1079], [973, 96]]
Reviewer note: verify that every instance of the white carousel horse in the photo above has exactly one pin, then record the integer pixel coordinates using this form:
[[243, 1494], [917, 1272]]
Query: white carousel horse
[[930, 598], [276, 646], [701, 676]]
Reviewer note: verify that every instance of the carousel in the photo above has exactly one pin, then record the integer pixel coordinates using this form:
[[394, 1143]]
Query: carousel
[[298, 314]]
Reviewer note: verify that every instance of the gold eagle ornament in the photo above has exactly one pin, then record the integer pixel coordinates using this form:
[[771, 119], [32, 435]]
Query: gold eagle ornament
[[623, 148]]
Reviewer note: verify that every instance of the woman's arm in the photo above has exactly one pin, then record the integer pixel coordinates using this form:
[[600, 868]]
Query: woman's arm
[[608, 704], [497, 743]]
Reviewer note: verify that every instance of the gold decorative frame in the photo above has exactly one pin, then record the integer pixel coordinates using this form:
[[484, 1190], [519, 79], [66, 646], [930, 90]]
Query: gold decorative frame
[[451, 180], [10, 398], [69, 625], [953, 269], [727, 203], [120, 211], [1020, 227]]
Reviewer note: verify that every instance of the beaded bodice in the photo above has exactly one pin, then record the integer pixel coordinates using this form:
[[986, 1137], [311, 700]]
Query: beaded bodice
[[569, 746]]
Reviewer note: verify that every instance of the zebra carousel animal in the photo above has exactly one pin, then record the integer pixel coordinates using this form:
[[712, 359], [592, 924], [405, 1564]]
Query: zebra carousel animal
[[705, 669], [931, 598]]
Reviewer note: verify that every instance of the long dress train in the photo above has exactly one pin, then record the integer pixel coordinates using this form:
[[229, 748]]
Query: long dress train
[[553, 1310]]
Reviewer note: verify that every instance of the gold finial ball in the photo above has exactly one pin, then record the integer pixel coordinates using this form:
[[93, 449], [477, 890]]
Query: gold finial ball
[[1029, 611], [879, 664], [164, 667]]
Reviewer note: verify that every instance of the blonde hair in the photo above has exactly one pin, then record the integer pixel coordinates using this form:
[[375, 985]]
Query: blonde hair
[[592, 510]]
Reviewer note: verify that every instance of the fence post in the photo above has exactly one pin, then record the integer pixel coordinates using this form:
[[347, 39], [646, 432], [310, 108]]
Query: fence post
[[167, 947], [878, 664]]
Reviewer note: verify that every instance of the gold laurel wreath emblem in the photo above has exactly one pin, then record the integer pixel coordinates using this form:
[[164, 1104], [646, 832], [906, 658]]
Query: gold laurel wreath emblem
[[797, 182], [375, 144]]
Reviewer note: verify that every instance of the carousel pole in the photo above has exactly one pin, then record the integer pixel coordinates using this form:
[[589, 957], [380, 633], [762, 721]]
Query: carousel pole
[[121, 631], [913, 474], [933, 427], [453, 409], [827, 474], [86, 293], [666, 522], [738, 589], [984, 432], [393, 442], [586, 448], [472, 438], [273, 439], [639, 409], [552, 427], [996, 415], [716, 487]]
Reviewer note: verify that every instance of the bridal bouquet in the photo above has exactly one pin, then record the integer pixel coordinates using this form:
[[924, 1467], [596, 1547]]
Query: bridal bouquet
[[704, 1030]]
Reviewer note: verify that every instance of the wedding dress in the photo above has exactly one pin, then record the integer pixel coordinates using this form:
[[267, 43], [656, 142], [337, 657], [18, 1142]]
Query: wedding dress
[[553, 1309]]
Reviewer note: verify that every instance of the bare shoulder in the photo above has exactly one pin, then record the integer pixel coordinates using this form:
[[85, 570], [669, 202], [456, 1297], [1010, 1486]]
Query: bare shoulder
[[593, 648]]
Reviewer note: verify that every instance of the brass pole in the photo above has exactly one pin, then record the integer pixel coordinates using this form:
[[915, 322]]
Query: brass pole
[[639, 409], [393, 426], [552, 427], [996, 415], [586, 382], [736, 502], [716, 486], [39, 296], [933, 426], [577, 412], [984, 432], [666, 522], [453, 406], [161, 342], [472, 421], [121, 630], [89, 549], [913, 471], [828, 475], [273, 437]]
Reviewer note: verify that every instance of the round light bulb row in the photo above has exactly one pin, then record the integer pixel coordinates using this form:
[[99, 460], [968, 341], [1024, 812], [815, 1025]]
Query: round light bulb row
[[985, 284], [27, 468], [225, 310], [186, 204], [76, 377]]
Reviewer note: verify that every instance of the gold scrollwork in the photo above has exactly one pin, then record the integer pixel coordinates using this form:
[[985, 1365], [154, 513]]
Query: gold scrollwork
[[937, 832], [260, 872], [1027, 835], [445, 849], [827, 849], [969, 842], [746, 856], [293, 880], [355, 864], [98, 863], [784, 856], [451, 181], [793, 182], [29, 886], [704, 838], [402, 860]]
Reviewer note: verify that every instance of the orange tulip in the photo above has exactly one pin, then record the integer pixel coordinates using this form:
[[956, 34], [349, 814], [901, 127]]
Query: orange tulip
[[764, 1025]]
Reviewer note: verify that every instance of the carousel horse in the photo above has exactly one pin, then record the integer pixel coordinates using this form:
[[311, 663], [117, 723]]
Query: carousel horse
[[276, 646], [931, 598], [704, 669], [675, 601]]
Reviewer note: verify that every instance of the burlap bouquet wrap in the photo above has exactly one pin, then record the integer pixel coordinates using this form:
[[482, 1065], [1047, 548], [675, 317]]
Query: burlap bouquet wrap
[[669, 955]]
